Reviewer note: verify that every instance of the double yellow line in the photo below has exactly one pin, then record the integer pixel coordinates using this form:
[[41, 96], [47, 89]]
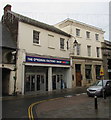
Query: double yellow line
[[30, 109]]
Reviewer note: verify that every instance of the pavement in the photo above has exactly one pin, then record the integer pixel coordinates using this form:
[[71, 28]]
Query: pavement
[[75, 106], [79, 106], [53, 93]]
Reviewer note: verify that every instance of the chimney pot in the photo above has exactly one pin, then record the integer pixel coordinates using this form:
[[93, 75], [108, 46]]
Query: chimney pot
[[6, 8]]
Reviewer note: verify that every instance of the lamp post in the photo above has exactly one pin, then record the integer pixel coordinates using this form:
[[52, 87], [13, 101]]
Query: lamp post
[[75, 43]]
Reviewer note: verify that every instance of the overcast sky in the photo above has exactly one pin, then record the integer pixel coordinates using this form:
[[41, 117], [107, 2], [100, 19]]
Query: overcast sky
[[92, 12]]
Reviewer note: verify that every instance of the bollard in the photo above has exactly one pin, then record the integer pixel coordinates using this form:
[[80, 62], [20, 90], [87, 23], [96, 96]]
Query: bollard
[[104, 95], [95, 100]]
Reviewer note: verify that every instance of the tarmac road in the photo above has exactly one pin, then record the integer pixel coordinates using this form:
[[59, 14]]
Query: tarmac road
[[17, 106]]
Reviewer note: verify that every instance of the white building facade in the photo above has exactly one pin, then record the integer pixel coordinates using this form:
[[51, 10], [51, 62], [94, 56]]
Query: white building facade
[[42, 57], [44, 64], [86, 55]]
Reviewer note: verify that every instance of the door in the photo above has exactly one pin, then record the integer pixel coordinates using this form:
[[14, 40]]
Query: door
[[78, 74], [41, 84], [35, 82]]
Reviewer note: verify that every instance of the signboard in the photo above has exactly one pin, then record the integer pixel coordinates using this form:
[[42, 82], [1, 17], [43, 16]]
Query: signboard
[[41, 60], [101, 72]]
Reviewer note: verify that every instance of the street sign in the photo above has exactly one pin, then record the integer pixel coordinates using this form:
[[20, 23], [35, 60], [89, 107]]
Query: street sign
[[101, 72]]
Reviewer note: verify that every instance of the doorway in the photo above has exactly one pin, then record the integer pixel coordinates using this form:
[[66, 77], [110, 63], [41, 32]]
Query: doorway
[[58, 82], [35, 82], [78, 74], [5, 81]]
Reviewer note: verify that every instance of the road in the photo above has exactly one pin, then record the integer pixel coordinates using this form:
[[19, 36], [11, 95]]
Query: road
[[18, 107]]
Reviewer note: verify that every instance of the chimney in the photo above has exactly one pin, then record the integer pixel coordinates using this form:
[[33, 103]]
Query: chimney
[[6, 8]]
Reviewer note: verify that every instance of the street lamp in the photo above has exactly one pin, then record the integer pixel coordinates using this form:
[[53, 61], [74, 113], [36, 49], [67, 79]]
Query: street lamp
[[75, 43]]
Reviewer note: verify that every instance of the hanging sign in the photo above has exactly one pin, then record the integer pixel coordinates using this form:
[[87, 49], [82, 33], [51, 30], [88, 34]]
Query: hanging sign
[[101, 72], [32, 59]]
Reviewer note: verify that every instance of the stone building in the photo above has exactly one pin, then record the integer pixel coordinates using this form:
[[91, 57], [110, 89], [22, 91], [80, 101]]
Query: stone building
[[106, 52], [85, 51]]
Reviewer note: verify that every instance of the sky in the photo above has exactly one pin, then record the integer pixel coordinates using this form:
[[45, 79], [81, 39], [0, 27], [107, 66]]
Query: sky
[[92, 12]]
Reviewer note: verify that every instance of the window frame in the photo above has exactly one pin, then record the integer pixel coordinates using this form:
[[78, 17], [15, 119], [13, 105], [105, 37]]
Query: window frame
[[87, 34], [98, 51], [97, 37], [89, 50], [77, 32], [78, 49], [62, 43], [36, 37]]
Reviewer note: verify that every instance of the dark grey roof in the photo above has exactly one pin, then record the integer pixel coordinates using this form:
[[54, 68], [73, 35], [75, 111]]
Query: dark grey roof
[[39, 24], [5, 38]]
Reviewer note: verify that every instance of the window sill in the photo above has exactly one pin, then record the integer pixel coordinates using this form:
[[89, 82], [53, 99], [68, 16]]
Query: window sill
[[88, 38], [78, 36], [51, 47], [62, 49], [36, 44]]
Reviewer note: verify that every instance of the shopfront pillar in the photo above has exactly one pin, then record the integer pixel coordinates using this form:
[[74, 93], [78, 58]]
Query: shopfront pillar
[[50, 79]]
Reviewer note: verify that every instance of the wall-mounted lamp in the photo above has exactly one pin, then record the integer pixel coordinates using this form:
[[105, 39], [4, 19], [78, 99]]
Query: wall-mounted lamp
[[75, 43]]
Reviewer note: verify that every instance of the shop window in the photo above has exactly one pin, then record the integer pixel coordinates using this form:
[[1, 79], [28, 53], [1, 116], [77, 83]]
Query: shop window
[[98, 71], [88, 72], [36, 37]]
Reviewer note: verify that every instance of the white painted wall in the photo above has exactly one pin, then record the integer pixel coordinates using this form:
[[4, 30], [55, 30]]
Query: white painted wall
[[70, 26], [25, 39]]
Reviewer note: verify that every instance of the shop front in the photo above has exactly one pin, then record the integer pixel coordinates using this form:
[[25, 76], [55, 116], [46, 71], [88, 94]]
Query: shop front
[[46, 74]]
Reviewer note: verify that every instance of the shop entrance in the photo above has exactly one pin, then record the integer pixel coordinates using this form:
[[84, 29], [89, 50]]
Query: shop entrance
[[58, 82], [35, 82]]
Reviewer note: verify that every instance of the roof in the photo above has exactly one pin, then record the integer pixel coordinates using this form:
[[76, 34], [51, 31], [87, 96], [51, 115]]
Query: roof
[[6, 39], [39, 24], [81, 23]]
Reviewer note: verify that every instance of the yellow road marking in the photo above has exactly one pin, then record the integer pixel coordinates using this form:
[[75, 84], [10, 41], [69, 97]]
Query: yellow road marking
[[30, 113]]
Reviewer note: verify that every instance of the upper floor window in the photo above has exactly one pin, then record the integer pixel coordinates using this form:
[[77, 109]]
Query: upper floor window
[[36, 37], [78, 49], [97, 36], [98, 51], [77, 32], [61, 43], [89, 50], [87, 34]]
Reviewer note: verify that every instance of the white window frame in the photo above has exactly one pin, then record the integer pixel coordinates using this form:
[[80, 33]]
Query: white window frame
[[89, 50], [97, 37], [77, 32], [62, 43], [87, 34], [98, 51], [78, 49], [36, 37]]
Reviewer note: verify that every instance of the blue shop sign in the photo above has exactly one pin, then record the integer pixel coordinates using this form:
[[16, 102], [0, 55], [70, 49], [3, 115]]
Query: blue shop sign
[[32, 59]]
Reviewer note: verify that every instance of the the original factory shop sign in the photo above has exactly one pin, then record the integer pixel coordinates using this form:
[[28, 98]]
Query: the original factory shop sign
[[32, 59]]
